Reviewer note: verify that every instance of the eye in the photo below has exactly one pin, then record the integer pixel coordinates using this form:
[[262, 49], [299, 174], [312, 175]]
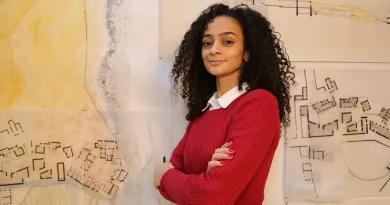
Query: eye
[[207, 43], [228, 42]]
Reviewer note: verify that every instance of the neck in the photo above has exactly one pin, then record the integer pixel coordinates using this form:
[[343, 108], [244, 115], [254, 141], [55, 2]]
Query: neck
[[226, 83]]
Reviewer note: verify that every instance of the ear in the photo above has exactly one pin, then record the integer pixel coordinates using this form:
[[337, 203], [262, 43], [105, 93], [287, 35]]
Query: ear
[[246, 56]]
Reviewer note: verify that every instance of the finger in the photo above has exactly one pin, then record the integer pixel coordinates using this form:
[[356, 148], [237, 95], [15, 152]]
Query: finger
[[170, 166], [220, 156], [227, 144], [213, 164], [224, 150]]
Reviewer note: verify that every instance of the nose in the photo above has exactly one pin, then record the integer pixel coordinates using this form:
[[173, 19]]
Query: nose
[[215, 49]]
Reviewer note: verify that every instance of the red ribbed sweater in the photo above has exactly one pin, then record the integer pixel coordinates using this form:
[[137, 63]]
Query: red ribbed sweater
[[252, 123]]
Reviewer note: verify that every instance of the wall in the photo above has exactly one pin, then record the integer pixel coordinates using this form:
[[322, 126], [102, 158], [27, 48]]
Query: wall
[[154, 113], [103, 81]]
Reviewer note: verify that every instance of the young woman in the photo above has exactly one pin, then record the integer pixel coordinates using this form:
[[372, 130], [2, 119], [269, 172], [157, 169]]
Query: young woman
[[235, 77]]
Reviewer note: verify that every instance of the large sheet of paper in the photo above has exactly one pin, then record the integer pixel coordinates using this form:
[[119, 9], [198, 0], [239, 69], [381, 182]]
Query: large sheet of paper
[[60, 66], [321, 30], [338, 144], [333, 30]]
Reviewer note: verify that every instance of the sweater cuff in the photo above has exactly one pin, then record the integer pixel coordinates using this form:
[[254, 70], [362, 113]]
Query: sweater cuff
[[161, 188], [175, 184]]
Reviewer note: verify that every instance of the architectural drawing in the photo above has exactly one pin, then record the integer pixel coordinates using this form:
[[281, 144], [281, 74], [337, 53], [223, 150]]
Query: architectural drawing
[[320, 30], [354, 10], [99, 166], [303, 23], [338, 145], [56, 133]]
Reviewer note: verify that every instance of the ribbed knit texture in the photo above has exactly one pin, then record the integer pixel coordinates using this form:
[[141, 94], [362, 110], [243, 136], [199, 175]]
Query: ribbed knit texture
[[252, 123]]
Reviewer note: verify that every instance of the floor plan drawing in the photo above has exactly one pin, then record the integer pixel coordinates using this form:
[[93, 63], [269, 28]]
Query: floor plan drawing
[[61, 62], [339, 138]]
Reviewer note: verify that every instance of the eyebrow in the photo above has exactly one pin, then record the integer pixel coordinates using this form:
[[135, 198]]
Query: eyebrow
[[221, 34]]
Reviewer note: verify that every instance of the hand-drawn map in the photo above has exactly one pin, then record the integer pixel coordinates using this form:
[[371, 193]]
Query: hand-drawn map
[[59, 64], [330, 30], [338, 144]]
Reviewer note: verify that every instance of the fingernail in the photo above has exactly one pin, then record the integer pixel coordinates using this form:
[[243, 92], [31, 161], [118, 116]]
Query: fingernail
[[230, 156], [230, 150], [222, 163]]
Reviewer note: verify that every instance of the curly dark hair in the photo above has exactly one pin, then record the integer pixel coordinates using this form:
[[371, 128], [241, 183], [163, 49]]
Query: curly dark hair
[[268, 66]]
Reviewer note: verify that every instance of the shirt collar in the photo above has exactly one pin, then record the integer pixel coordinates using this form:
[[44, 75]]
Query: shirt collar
[[226, 98]]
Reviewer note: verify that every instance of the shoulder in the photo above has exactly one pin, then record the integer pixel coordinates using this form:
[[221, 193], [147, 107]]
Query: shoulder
[[259, 97], [259, 107], [258, 103]]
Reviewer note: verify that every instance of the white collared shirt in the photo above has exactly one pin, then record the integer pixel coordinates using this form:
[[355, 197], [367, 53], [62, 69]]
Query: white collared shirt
[[225, 100]]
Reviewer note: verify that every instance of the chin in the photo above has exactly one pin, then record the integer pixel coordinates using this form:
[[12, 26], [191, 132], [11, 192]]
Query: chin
[[216, 74], [215, 71]]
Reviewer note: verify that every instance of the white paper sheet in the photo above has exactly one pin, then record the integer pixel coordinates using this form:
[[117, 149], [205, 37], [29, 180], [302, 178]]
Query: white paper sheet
[[338, 144]]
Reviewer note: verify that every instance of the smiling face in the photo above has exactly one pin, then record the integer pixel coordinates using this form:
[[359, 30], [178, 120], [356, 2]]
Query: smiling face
[[223, 47]]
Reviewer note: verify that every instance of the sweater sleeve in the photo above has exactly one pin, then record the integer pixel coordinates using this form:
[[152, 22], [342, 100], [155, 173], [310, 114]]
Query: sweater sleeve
[[254, 127], [177, 160], [177, 154]]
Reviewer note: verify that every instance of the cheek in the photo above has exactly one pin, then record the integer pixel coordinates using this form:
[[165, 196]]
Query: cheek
[[204, 54], [236, 58]]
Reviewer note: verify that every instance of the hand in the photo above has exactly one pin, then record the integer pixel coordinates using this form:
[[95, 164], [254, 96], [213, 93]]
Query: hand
[[221, 153], [159, 172]]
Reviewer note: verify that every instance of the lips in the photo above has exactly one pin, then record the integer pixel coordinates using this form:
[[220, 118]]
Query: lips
[[216, 62]]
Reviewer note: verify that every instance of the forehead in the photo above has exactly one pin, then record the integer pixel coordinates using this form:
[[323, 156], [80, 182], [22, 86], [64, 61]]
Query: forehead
[[223, 24]]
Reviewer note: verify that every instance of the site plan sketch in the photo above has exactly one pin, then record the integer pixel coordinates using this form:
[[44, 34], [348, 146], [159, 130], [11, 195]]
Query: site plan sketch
[[338, 144], [58, 73]]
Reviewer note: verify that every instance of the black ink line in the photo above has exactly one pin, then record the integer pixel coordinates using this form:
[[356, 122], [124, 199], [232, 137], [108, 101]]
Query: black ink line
[[19, 126], [4, 131], [62, 177], [315, 81], [50, 177], [10, 125], [20, 183], [300, 117], [296, 133], [28, 172], [36, 149], [286, 7], [33, 162], [349, 170], [20, 154], [368, 141], [384, 185], [109, 141]]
